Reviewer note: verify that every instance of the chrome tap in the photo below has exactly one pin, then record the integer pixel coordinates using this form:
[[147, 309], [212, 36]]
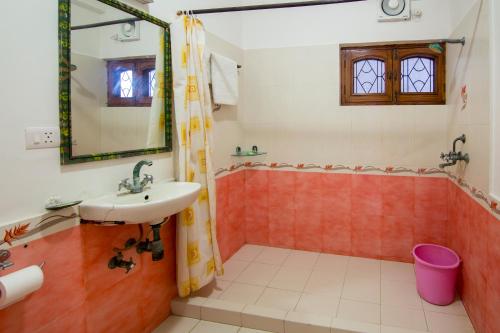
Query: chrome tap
[[137, 185], [453, 157]]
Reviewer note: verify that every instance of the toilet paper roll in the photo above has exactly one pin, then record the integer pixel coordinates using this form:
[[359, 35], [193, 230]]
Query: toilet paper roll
[[15, 286]]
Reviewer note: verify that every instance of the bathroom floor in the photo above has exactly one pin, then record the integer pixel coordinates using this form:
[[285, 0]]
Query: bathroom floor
[[343, 289]]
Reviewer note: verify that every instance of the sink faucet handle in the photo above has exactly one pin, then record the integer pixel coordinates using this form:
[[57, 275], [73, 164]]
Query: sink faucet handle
[[123, 184], [148, 178]]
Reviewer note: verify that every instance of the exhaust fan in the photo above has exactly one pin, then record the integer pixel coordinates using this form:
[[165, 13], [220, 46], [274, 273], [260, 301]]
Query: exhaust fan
[[394, 10]]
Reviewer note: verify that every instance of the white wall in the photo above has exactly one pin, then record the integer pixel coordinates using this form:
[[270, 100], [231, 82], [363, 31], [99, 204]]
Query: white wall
[[495, 107], [470, 66], [29, 97]]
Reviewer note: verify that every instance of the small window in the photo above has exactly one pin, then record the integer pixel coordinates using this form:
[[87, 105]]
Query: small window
[[131, 82], [392, 74]]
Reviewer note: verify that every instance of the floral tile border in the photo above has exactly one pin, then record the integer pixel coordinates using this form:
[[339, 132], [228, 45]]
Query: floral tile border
[[26, 230], [477, 194]]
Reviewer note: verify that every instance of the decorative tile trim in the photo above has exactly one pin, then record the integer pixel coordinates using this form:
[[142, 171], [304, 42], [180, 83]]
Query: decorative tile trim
[[27, 230], [477, 194]]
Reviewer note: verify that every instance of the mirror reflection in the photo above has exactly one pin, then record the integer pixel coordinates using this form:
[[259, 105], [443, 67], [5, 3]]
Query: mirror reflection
[[116, 100]]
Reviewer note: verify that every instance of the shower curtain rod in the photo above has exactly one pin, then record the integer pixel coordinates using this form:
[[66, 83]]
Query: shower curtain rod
[[270, 6], [102, 24]]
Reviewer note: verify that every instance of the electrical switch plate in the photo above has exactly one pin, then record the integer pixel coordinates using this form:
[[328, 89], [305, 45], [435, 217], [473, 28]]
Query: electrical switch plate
[[42, 137]]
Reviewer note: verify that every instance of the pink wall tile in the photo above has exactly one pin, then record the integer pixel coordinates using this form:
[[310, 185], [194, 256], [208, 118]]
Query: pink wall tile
[[73, 321], [63, 280], [236, 211], [398, 196], [367, 195], [256, 207], [431, 198], [308, 209], [397, 238], [336, 232], [336, 192], [492, 301], [281, 209], [366, 235], [222, 205], [427, 230]]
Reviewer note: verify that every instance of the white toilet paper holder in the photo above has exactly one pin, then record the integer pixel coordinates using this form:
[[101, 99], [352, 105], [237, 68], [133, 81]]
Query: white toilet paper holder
[[4, 259]]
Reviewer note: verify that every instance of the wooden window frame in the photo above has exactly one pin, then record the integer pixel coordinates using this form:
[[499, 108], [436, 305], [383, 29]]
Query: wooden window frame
[[140, 68], [392, 54]]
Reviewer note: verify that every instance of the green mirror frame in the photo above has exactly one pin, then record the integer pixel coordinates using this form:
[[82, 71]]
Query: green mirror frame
[[66, 156]]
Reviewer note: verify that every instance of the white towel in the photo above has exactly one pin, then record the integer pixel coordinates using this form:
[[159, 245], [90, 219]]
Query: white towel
[[224, 80]]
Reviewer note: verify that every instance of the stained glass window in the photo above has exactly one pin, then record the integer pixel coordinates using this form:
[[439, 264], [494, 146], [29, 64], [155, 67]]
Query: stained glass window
[[151, 82], [369, 77], [417, 75], [126, 84]]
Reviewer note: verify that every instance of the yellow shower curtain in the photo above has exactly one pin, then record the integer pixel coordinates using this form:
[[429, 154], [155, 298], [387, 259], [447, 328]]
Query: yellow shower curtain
[[198, 257]]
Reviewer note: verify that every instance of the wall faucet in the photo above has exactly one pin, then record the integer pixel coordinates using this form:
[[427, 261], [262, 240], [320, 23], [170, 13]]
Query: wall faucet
[[453, 156], [137, 185]]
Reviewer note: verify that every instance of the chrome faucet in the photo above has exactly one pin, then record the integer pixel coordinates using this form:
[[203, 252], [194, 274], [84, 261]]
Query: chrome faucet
[[453, 157], [137, 185]]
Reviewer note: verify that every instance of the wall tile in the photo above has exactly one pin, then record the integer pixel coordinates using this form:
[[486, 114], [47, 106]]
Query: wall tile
[[281, 211], [431, 197], [366, 195], [236, 213], [308, 211], [256, 207], [222, 216], [366, 233], [427, 230], [492, 302], [336, 232], [336, 192], [397, 238], [63, 280], [398, 196]]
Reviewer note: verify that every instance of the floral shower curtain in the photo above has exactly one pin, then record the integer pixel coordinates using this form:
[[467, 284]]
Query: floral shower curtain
[[198, 257]]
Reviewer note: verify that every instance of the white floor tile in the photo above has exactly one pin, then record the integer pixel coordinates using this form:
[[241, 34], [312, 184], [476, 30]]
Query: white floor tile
[[301, 259], [175, 324], [258, 274], [214, 289], [363, 268], [248, 252], [456, 308], [317, 303], [331, 263], [221, 311], [278, 299], [251, 330], [359, 311], [188, 307], [298, 322], [290, 278], [397, 271], [233, 268], [325, 283], [210, 327], [398, 316], [364, 290], [392, 329], [400, 293], [263, 318], [242, 293], [340, 325], [446, 323], [273, 256]]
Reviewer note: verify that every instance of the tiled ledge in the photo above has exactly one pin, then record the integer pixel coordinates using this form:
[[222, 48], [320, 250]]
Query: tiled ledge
[[271, 320]]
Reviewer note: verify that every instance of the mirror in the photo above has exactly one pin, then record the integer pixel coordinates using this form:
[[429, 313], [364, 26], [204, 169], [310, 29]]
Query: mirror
[[114, 68]]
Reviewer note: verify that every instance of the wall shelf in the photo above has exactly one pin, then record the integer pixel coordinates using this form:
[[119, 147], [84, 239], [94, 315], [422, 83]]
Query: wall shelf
[[248, 153]]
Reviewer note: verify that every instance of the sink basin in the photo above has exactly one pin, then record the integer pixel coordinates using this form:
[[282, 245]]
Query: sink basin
[[151, 206]]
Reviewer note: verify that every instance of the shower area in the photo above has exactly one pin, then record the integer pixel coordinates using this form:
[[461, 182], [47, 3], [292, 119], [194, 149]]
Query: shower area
[[317, 231]]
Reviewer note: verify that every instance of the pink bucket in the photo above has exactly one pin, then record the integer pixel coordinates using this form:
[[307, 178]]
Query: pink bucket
[[436, 268]]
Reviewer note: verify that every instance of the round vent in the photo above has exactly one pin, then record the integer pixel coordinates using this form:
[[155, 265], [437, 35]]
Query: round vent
[[393, 7]]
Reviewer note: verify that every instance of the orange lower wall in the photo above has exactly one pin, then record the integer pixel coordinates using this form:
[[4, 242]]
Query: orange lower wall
[[80, 293], [367, 216], [361, 215], [475, 235]]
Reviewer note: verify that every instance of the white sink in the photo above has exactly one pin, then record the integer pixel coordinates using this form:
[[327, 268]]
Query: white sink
[[151, 206]]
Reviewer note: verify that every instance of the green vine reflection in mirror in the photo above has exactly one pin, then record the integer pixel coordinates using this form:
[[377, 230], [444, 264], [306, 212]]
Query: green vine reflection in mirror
[[66, 156]]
